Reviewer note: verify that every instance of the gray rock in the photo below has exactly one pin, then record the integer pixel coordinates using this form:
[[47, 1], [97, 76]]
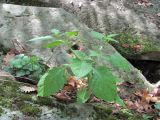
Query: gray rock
[[21, 23], [116, 16], [122, 16]]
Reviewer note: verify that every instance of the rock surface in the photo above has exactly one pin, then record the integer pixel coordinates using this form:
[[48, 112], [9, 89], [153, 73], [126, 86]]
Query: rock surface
[[22, 23], [117, 16], [123, 16], [16, 105]]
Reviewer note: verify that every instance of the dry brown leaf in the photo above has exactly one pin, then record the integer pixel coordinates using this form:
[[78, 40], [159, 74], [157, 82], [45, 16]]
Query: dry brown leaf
[[28, 89], [145, 97], [95, 99], [81, 84], [62, 96], [129, 103], [72, 81], [68, 88]]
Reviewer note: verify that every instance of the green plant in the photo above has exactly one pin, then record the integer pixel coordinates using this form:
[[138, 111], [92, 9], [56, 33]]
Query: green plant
[[106, 38], [22, 65], [157, 105], [100, 80], [147, 117]]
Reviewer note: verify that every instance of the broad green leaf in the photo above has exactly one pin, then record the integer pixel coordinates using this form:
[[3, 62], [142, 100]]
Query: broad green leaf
[[120, 101], [26, 60], [94, 53], [52, 81], [80, 55], [20, 73], [72, 33], [16, 63], [113, 40], [118, 61], [33, 59], [54, 44], [80, 68], [147, 117], [103, 84], [108, 39], [112, 35], [157, 105], [41, 38], [82, 95], [97, 35]]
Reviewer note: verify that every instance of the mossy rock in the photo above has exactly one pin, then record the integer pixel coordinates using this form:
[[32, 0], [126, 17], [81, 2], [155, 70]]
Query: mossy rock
[[22, 106], [134, 46], [1, 111]]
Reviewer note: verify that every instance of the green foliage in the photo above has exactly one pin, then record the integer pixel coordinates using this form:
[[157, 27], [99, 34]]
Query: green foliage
[[157, 105], [131, 44], [52, 81], [71, 33], [83, 95], [41, 38], [118, 61], [23, 65], [106, 38], [57, 38], [102, 85], [97, 35], [80, 68], [54, 44], [147, 117], [127, 43], [101, 82]]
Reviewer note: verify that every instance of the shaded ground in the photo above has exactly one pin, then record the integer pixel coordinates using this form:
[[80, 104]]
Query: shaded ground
[[150, 69]]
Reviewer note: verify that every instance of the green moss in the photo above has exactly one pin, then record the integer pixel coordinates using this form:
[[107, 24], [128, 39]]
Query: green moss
[[15, 118], [7, 94], [129, 116], [103, 109], [44, 101], [25, 97], [131, 45], [28, 109], [5, 102], [106, 113], [1, 111]]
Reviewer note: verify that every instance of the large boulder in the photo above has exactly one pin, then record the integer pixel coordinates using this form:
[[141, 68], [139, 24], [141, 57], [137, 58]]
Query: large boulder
[[140, 19], [138, 23], [21, 23]]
